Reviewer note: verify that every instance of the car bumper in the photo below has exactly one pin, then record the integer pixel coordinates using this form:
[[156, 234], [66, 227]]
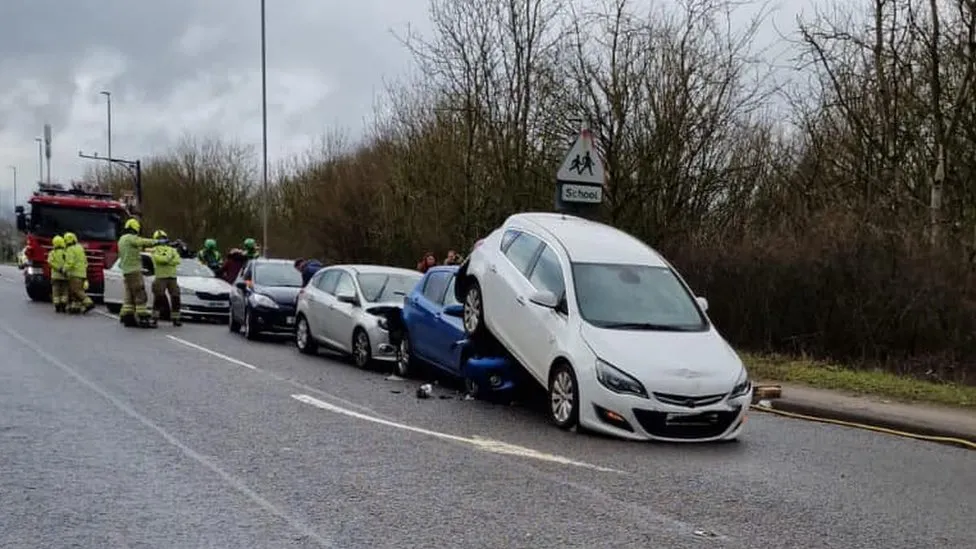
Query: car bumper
[[280, 320], [639, 418], [495, 374], [192, 306], [379, 340]]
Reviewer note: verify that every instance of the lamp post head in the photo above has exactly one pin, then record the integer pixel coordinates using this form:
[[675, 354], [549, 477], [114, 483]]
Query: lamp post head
[[105, 93]]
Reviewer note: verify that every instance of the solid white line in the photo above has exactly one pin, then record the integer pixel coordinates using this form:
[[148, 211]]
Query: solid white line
[[106, 315], [232, 360], [485, 444], [232, 481]]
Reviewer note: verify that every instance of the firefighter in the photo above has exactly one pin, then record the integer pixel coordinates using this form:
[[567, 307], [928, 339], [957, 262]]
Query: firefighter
[[210, 255], [59, 278], [76, 267], [251, 248], [134, 311], [165, 259]]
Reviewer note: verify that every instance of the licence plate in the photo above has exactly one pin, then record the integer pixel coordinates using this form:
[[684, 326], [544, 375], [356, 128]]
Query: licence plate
[[290, 320], [217, 304]]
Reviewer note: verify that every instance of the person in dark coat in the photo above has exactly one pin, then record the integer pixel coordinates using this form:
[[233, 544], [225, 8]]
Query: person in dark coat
[[308, 268], [236, 259]]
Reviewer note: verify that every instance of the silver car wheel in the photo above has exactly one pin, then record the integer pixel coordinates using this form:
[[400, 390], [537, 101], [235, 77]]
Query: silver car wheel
[[403, 358], [360, 349], [562, 400], [301, 335], [472, 310]]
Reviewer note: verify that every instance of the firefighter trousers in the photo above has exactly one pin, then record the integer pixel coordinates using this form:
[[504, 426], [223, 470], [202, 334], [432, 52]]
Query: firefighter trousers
[[163, 304], [59, 292], [134, 298], [78, 300]]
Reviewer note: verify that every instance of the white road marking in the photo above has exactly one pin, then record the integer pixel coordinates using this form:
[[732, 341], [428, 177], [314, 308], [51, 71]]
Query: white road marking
[[106, 315], [232, 360], [231, 480], [480, 443]]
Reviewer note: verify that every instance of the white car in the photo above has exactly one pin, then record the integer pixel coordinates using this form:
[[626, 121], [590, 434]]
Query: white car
[[353, 309], [608, 326], [202, 294]]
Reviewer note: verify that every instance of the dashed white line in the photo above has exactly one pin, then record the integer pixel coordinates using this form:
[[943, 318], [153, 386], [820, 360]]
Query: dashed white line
[[489, 445], [230, 359], [231, 480]]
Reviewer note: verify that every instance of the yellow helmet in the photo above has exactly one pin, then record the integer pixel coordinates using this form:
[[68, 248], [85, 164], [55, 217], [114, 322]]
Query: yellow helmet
[[70, 239], [133, 225], [160, 235], [58, 241]]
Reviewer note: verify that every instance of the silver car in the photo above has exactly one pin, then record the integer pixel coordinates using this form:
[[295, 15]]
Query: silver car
[[350, 308]]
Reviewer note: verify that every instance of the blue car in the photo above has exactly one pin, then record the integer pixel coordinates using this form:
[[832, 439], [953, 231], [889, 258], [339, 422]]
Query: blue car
[[434, 335]]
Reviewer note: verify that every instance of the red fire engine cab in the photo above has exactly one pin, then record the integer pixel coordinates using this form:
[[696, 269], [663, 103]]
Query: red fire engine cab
[[95, 218]]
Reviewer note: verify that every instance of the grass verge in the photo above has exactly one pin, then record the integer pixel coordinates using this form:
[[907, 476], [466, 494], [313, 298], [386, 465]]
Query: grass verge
[[823, 375]]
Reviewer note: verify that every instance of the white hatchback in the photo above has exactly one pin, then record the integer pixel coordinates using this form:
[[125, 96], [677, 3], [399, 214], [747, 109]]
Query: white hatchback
[[608, 326]]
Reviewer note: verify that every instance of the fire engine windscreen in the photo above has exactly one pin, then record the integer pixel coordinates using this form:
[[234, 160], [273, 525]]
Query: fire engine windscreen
[[87, 224]]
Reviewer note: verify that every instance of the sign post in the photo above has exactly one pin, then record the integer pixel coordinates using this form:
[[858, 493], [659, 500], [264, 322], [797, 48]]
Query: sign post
[[580, 179]]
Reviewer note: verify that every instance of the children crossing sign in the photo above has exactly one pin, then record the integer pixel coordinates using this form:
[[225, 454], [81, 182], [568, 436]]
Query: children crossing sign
[[579, 181]]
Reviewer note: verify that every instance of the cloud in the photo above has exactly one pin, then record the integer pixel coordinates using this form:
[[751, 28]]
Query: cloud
[[186, 67]]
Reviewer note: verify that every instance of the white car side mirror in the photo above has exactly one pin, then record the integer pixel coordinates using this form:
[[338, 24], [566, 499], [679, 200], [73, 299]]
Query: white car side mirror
[[545, 299], [702, 302]]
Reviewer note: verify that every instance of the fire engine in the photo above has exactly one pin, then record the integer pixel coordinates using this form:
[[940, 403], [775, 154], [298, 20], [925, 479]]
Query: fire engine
[[94, 217]]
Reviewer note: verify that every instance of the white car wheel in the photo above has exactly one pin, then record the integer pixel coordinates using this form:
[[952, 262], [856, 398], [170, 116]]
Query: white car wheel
[[473, 309], [563, 397], [361, 353], [303, 337]]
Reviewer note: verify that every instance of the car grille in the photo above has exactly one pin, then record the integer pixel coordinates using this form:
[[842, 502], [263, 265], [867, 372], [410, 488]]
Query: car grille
[[688, 427], [688, 401], [207, 296]]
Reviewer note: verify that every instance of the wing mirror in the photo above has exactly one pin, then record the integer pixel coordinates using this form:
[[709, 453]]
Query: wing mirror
[[455, 309], [702, 302], [241, 285], [348, 298], [545, 299]]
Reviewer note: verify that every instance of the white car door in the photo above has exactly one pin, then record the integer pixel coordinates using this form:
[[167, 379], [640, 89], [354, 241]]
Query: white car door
[[339, 320], [509, 289], [113, 284], [537, 328]]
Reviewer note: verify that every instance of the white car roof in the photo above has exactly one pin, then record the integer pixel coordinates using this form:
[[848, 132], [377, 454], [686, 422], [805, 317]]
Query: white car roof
[[383, 269], [588, 241]]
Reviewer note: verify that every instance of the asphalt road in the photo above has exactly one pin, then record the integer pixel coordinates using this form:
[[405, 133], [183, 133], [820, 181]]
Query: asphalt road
[[192, 437]]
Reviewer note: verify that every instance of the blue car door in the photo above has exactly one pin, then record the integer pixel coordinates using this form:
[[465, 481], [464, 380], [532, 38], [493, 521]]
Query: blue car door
[[449, 331], [424, 338]]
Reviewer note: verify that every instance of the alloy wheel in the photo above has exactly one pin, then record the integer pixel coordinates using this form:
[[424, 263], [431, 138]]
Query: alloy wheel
[[301, 335], [561, 397], [403, 358], [472, 310], [360, 349]]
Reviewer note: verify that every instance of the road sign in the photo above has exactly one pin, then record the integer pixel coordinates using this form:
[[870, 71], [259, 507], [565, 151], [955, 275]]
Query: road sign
[[582, 163], [47, 141], [585, 194]]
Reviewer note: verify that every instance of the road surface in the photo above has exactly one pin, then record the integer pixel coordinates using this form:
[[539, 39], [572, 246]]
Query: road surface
[[192, 437]]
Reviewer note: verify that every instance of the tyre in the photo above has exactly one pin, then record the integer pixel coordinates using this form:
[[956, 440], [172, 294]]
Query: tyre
[[232, 324], [362, 354], [249, 331], [113, 308], [406, 364], [474, 312], [563, 396], [303, 337]]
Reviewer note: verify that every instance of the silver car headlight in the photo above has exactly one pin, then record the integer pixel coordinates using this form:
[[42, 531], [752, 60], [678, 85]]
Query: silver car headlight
[[383, 323], [742, 385], [186, 291], [617, 381], [263, 301]]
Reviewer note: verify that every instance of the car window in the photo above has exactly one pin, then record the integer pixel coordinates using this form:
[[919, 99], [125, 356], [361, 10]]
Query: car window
[[345, 285], [522, 250], [436, 284], [245, 273], [327, 281], [507, 239], [449, 298], [194, 268], [277, 274], [547, 273], [635, 297], [388, 286]]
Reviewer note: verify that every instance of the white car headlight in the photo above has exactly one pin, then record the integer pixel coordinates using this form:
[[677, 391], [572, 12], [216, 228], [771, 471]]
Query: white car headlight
[[382, 323], [617, 381], [742, 385], [186, 291], [263, 301]]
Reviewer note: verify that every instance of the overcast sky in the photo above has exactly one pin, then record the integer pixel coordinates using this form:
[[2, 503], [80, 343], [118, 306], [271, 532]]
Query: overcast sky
[[191, 66]]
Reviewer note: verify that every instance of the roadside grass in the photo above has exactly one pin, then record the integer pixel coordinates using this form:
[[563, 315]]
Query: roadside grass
[[824, 375]]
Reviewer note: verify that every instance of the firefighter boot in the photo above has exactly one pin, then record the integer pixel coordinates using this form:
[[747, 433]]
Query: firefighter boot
[[128, 320], [88, 308]]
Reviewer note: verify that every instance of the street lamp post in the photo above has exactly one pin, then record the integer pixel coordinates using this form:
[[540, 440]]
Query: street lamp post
[[264, 136], [108, 105], [40, 160]]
